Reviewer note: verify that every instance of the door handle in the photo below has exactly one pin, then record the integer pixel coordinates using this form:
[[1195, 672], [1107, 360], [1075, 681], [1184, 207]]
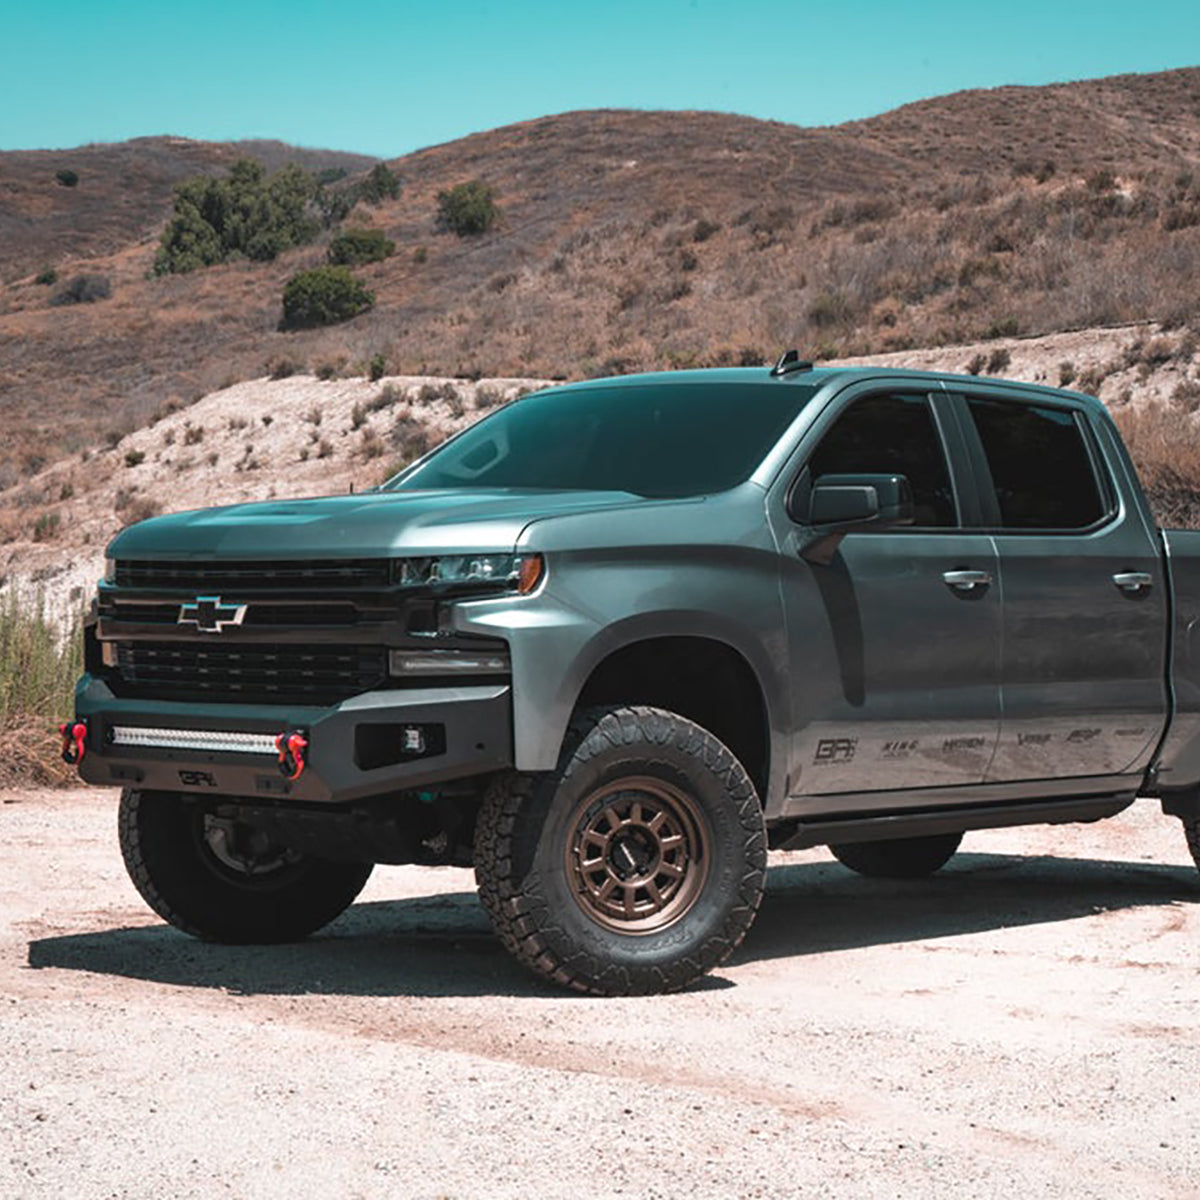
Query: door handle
[[966, 581], [1133, 583]]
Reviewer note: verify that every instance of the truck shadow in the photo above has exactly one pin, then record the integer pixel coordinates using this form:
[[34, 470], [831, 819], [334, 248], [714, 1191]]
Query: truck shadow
[[442, 945]]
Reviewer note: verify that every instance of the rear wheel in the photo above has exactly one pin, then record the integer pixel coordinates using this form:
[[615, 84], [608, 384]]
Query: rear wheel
[[898, 858], [219, 879], [635, 867]]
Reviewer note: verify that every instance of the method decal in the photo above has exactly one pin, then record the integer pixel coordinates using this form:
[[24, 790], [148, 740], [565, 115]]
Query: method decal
[[958, 744]]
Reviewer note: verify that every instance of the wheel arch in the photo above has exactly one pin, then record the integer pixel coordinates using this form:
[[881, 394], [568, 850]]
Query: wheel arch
[[702, 677]]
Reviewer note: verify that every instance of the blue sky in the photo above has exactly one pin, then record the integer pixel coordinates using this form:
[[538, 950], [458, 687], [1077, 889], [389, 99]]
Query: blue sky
[[388, 77]]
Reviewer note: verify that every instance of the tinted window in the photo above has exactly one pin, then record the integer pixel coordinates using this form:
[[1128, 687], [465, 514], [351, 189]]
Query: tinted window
[[662, 439], [1040, 466], [883, 435]]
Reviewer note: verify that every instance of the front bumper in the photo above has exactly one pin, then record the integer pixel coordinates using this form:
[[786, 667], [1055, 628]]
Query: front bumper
[[355, 749]]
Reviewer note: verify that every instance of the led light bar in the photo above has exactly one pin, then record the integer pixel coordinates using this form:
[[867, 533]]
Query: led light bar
[[226, 740], [449, 662]]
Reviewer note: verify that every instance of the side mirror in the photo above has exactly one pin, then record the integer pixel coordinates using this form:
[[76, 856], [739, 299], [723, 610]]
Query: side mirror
[[840, 504], [844, 502]]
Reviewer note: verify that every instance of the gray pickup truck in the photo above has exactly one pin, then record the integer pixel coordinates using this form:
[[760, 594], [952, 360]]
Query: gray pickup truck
[[619, 637]]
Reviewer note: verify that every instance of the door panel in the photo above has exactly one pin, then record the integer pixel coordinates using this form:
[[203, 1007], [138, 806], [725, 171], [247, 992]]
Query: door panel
[[894, 644], [894, 670], [1082, 676]]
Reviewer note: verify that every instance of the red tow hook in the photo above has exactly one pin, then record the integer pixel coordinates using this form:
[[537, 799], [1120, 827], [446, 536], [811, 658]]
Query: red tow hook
[[292, 748], [74, 742]]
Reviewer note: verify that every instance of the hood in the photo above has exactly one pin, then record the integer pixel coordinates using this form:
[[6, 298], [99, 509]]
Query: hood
[[370, 525]]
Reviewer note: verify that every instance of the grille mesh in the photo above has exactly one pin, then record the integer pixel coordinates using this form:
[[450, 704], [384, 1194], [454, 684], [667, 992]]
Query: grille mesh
[[252, 674], [265, 575]]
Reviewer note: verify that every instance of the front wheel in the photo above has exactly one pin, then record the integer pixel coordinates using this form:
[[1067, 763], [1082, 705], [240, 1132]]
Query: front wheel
[[1191, 829], [898, 858], [635, 867], [221, 880]]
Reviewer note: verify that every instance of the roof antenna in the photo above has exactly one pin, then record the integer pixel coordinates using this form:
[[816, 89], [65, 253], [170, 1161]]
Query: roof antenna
[[790, 361]]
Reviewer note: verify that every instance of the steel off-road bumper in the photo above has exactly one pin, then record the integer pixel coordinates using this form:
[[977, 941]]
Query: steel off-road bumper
[[359, 748]]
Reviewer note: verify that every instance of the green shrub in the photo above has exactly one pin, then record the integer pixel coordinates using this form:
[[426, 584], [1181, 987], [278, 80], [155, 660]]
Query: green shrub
[[1066, 374], [135, 458], [323, 296], [998, 360], [67, 177], [381, 184], [244, 214], [829, 308], [376, 367], [47, 277], [354, 246], [83, 289], [45, 528], [1006, 327], [468, 208]]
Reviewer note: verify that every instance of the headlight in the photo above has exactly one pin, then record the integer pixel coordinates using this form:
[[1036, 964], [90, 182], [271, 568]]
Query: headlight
[[519, 573], [110, 570]]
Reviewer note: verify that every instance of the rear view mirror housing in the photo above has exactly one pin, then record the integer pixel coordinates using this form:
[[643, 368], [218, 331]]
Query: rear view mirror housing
[[839, 504], [844, 502]]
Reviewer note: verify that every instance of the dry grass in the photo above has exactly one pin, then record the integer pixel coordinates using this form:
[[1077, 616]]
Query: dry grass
[[1166, 451]]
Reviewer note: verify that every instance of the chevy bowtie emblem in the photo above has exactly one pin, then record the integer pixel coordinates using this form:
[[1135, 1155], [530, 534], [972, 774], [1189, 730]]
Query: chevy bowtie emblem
[[209, 615]]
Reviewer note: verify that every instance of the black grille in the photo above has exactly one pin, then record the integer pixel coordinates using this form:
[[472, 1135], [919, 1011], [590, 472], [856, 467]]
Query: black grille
[[212, 576], [257, 613], [253, 674]]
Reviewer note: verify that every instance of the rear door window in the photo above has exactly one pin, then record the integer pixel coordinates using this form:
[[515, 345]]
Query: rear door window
[[1042, 471]]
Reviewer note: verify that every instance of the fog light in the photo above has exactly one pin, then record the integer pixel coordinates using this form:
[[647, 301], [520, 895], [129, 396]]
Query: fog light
[[414, 739], [449, 662]]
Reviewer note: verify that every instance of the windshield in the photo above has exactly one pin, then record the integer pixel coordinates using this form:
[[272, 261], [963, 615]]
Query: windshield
[[661, 439]]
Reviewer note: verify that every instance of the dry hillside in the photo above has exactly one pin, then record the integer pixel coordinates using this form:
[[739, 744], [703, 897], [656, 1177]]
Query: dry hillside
[[265, 439], [635, 239]]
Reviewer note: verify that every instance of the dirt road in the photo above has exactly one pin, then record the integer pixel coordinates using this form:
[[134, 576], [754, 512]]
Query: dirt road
[[1020, 1025]]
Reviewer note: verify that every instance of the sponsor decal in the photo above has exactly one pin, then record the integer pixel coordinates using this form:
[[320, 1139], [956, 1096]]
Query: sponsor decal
[[1082, 736], [835, 750], [951, 745], [901, 749], [196, 779], [1131, 732], [1033, 739]]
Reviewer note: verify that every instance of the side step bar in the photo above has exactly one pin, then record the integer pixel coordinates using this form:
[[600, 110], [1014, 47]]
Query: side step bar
[[880, 826]]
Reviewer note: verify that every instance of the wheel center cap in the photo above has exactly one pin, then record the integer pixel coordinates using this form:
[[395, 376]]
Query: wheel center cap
[[634, 853]]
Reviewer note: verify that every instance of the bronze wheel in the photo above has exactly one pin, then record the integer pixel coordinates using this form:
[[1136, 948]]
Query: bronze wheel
[[635, 866], [639, 854]]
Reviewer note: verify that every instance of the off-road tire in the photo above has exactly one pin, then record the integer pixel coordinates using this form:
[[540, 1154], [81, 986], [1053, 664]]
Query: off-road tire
[[539, 904], [173, 867], [1191, 830], [898, 858]]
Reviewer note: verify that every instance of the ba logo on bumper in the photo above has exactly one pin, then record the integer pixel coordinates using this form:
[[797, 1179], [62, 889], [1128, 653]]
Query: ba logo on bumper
[[209, 615]]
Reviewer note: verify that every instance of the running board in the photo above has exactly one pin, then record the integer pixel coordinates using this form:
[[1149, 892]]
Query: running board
[[875, 827]]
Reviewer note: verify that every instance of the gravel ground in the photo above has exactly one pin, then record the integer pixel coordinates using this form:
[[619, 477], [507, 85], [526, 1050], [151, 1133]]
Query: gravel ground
[[1020, 1025]]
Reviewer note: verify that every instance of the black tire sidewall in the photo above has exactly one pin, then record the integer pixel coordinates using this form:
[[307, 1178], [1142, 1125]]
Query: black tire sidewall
[[717, 918], [184, 882]]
